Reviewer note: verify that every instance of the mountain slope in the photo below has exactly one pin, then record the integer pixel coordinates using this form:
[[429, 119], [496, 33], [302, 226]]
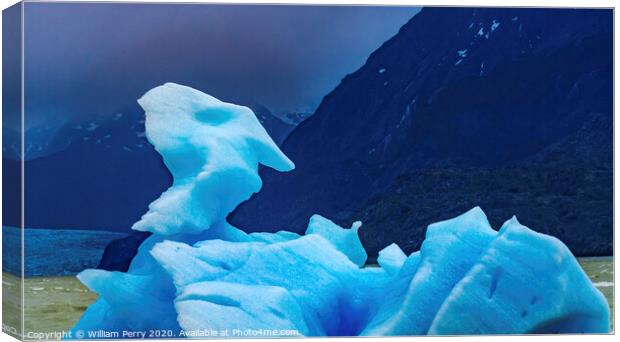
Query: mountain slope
[[104, 180], [276, 127], [456, 87], [566, 190]]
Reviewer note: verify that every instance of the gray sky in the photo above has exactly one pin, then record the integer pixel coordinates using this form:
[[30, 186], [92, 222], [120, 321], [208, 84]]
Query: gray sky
[[92, 59]]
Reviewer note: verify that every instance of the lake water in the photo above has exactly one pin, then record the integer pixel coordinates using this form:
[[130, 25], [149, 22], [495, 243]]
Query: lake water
[[53, 252]]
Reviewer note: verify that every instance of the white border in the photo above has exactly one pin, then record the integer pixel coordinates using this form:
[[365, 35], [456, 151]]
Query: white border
[[482, 3]]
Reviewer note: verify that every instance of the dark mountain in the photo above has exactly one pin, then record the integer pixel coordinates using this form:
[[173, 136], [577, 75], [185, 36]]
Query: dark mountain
[[495, 98], [46, 139], [565, 190], [277, 128], [105, 178], [296, 118]]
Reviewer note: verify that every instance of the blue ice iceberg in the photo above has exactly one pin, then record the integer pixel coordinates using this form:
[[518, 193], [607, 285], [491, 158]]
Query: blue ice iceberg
[[212, 149], [198, 273]]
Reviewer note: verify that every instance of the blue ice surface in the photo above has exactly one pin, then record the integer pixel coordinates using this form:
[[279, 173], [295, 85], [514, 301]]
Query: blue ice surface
[[212, 149], [198, 272]]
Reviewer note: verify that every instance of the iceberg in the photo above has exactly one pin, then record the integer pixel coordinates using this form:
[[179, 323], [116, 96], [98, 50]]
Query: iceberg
[[212, 149], [198, 272]]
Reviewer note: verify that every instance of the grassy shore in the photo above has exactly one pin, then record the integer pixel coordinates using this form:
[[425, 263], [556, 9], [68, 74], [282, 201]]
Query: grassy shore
[[601, 272], [54, 304]]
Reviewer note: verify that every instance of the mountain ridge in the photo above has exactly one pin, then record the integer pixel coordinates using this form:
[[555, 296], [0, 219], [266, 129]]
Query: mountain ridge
[[456, 87]]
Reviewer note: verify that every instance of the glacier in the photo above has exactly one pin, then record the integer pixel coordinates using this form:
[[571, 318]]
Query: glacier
[[198, 272]]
